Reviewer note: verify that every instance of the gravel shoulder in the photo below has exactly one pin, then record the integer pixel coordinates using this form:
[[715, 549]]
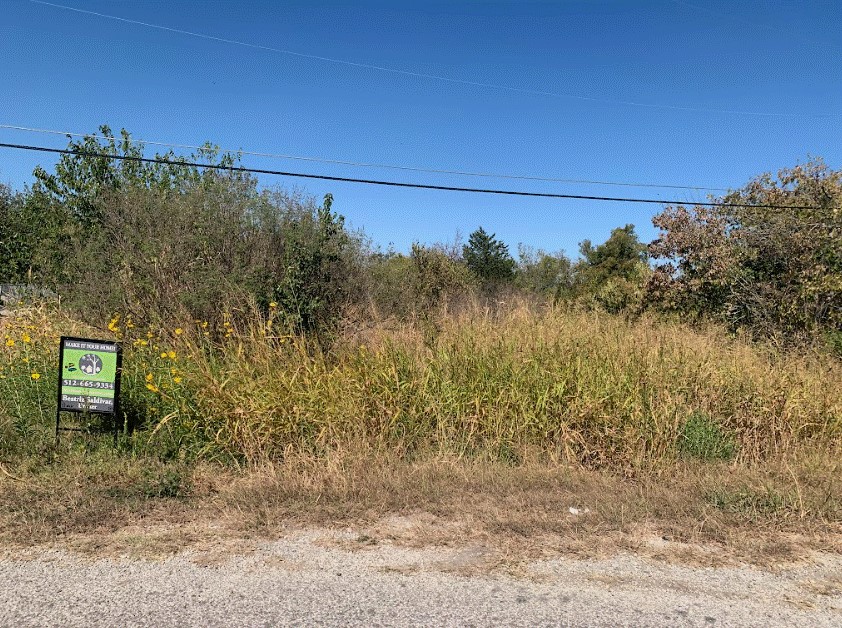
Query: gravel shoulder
[[315, 577]]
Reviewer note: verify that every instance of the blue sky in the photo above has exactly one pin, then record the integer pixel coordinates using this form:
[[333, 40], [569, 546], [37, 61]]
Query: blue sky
[[71, 71]]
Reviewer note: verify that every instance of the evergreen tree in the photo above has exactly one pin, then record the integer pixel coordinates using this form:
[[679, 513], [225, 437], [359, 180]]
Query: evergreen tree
[[488, 258]]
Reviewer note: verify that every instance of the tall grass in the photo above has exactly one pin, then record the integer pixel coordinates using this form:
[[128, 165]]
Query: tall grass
[[585, 388]]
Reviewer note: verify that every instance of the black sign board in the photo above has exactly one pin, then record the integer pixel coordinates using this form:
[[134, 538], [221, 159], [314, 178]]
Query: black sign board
[[89, 379]]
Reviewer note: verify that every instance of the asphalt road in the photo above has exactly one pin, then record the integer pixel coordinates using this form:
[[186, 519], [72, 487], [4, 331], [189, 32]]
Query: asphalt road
[[307, 579]]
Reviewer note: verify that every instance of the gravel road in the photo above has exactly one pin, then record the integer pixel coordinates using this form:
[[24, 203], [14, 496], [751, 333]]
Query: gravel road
[[311, 578]]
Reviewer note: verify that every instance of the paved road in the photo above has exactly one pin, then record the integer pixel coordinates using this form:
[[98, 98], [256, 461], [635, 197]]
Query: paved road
[[306, 580]]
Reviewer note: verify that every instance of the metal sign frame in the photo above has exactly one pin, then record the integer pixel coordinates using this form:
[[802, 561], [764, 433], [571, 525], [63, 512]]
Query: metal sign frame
[[114, 412]]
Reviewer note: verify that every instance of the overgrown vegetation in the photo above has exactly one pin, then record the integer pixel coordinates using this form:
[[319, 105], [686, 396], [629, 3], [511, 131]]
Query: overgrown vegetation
[[258, 330], [773, 272], [586, 388]]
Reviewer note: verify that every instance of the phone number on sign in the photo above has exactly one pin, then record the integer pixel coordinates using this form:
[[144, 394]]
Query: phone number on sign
[[81, 383]]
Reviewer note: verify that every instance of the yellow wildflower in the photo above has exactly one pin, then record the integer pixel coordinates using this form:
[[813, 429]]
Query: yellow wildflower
[[149, 377], [171, 355], [204, 324], [273, 305], [163, 354], [10, 342], [152, 387], [26, 338], [36, 376], [176, 380], [178, 331]]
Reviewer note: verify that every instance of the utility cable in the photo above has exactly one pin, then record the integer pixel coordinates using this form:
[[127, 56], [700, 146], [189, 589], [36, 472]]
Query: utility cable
[[343, 162], [436, 77], [419, 186]]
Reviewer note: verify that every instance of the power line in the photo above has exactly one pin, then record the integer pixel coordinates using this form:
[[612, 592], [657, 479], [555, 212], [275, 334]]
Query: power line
[[420, 186], [385, 166], [436, 77]]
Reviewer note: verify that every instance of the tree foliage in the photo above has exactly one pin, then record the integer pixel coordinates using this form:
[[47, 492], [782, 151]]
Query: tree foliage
[[163, 239], [766, 269], [612, 275], [488, 258], [155, 240], [548, 274]]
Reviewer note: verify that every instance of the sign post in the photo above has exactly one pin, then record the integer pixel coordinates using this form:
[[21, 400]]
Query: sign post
[[89, 379]]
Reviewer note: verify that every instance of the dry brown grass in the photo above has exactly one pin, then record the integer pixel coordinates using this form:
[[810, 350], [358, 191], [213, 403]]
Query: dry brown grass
[[486, 437], [701, 513]]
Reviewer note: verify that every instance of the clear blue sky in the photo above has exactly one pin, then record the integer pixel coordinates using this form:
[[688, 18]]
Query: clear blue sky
[[66, 70]]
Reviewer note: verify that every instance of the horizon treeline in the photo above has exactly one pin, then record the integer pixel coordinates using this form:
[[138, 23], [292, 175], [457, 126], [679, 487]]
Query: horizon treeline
[[154, 242]]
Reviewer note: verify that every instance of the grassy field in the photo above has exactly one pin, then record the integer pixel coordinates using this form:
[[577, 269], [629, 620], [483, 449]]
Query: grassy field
[[497, 422]]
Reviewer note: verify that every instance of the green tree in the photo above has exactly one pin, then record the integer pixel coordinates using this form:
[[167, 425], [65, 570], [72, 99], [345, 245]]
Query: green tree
[[619, 256], [69, 201], [612, 275], [311, 289], [103, 163], [488, 258], [15, 239], [544, 273], [176, 241]]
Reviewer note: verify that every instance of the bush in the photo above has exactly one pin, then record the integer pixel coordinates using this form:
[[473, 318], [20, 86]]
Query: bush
[[212, 253], [611, 276], [549, 275], [772, 272]]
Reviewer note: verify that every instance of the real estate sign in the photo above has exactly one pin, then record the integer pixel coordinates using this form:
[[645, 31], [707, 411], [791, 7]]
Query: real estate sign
[[89, 380]]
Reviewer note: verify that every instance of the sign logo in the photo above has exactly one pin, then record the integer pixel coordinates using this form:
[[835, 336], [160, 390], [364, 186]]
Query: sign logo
[[90, 363]]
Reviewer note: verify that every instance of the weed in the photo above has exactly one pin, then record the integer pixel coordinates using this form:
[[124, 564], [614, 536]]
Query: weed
[[704, 439], [584, 388], [749, 502], [166, 482]]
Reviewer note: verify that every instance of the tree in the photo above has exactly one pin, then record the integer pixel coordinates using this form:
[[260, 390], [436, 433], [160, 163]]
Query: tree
[[612, 274], [488, 258], [767, 269], [619, 256], [69, 201], [544, 273], [311, 288], [176, 241], [15, 238], [101, 164]]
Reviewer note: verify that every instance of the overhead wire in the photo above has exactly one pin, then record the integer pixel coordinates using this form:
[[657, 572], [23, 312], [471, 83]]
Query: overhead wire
[[399, 184], [437, 77], [343, 162]]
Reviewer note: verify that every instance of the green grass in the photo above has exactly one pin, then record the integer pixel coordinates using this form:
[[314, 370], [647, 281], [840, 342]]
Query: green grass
[[704, 439]]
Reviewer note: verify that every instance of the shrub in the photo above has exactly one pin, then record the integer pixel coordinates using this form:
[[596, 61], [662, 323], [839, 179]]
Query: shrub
[[773, 272]]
